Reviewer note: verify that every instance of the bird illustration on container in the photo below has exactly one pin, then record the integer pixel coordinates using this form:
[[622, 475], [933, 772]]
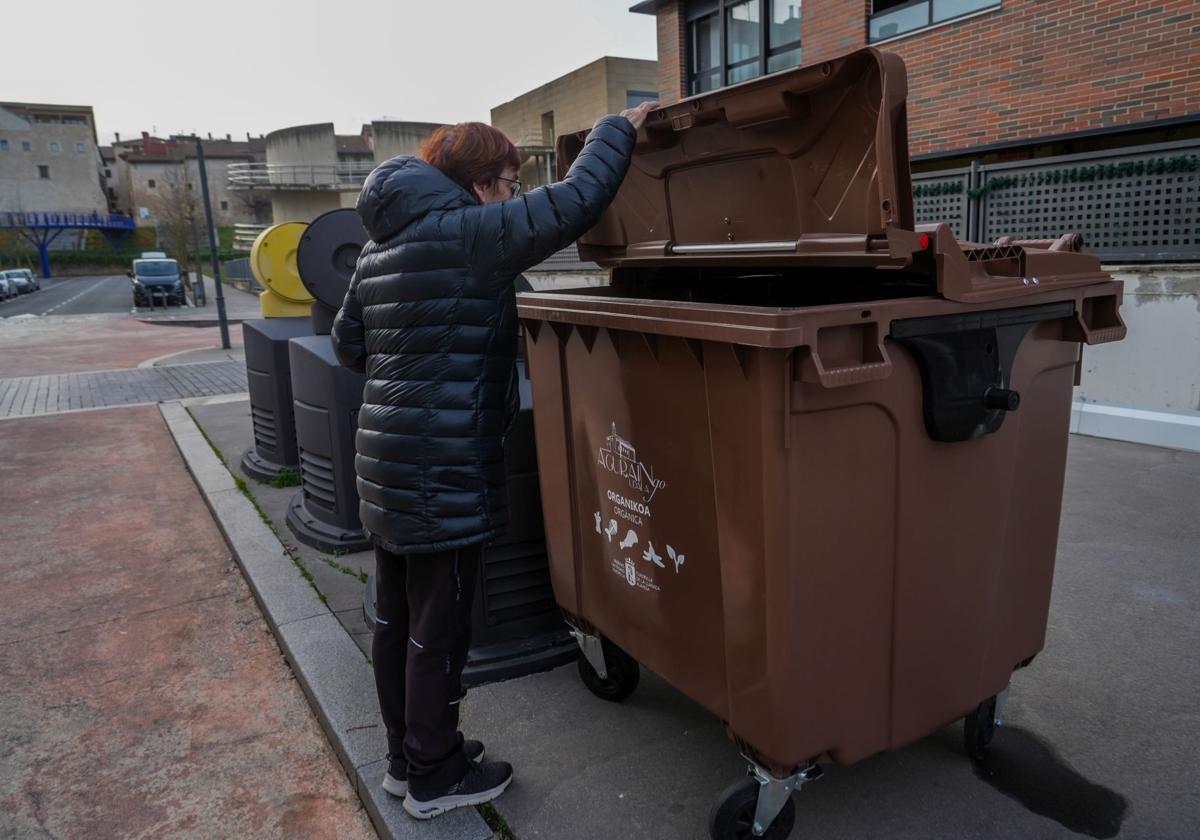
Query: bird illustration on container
[[599, 530], [677, 559], [611, 530], [653, 556], [630, 540]]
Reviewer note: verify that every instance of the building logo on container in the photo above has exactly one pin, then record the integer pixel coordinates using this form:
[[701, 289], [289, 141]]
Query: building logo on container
[[620, 458]]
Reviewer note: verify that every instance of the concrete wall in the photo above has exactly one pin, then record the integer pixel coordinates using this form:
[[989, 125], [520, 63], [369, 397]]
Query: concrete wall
[[303, 144], [229, 206], [145, 201], [74, 182], [306, 144], [1158, 365], [389, 139], [303, 206], [111, 172]]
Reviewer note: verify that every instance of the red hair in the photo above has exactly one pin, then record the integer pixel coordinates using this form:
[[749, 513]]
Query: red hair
[[470, 153]]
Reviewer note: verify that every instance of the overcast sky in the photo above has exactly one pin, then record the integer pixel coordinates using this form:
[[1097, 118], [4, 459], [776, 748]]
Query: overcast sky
[[257, 65]]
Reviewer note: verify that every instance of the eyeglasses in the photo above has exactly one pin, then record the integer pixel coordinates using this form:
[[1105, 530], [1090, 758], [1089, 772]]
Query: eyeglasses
[[514, 185]]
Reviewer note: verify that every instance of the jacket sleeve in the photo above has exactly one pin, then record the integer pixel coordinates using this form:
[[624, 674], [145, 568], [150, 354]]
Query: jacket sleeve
[[505, 238], [349, 344]]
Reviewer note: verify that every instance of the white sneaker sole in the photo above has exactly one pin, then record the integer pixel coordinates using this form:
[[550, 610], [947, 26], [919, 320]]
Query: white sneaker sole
[[394, 786], [437, 807], [399, 787]]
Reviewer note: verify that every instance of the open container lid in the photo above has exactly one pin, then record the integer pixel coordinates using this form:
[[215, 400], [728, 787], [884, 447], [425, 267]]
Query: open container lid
[[815, 151], [804, 167]]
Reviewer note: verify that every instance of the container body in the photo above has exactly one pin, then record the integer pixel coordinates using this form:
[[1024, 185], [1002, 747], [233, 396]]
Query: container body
[[751, 503]]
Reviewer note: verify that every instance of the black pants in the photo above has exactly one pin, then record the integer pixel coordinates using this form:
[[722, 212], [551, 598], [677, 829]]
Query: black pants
[[423, 631]]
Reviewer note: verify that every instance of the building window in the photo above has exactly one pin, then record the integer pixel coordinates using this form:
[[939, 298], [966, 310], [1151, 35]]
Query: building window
[[107, 173], [634, 98], [3, 145], [74, 121], [730, 41], [150, 183], [891, 18], [55, 148], [25, 146], [44, 173], [224, 205], [79, 148]]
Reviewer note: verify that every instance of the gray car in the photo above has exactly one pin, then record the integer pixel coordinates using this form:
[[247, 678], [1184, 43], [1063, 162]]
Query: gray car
[[156, 279], [34, 280], [7, 287], [19, 282]]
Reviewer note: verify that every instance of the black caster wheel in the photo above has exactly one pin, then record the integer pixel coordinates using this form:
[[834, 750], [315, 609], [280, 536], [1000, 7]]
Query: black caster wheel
[[623, 674], [979, 727], [732, 817]]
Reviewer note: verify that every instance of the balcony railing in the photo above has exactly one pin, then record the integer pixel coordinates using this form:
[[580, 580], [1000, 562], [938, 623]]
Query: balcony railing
[[346, 175], [244, 235]]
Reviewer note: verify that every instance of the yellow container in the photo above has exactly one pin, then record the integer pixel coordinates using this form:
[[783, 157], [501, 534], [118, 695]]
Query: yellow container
[[273, 263]]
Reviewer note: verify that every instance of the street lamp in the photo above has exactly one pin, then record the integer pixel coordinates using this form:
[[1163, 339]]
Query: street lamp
[[212, 244]]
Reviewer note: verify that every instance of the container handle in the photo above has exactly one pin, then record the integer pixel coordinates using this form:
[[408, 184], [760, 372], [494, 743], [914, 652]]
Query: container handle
[[1097, 320], [859, 352]]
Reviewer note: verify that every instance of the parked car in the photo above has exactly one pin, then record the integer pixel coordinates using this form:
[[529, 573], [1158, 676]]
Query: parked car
[[155, 279], [7, 289], [34, 280], [19, 282]]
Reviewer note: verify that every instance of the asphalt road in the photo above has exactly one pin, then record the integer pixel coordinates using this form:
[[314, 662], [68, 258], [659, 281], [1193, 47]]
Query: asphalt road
[[75, 296]]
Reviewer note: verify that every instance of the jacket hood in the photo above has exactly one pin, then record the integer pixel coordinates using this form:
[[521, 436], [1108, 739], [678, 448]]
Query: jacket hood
[[403, 189]]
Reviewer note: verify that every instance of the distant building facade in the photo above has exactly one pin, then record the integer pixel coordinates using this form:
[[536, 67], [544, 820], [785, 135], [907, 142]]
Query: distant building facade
[[571, 103], [49, 159], [151, 170], [310, 169]]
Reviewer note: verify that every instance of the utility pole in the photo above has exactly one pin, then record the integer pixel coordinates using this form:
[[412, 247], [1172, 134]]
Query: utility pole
[[212, 244]]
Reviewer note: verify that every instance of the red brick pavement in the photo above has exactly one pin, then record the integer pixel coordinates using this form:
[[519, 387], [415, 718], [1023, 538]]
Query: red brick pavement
[[141, 693], [72, 344]]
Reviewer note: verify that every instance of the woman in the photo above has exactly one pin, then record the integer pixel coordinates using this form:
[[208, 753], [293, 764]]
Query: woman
[[431, 318]]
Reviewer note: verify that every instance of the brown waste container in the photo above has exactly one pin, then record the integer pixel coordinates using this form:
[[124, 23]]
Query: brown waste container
[[804, 459]]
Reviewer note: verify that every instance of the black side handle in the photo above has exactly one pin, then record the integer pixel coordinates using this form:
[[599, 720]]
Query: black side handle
[[966, 364]]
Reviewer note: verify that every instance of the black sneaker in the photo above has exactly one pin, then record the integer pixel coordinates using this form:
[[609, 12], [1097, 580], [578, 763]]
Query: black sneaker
[[483, 783], [395, 780]]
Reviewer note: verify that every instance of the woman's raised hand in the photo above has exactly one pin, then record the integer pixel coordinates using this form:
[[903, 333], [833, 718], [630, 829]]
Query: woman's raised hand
[[637, 115]]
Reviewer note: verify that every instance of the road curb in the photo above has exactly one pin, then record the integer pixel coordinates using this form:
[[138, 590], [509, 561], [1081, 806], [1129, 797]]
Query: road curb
[[337, 680]]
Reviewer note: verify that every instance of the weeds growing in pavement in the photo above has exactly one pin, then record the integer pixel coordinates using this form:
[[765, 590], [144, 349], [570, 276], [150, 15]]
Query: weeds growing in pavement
[[495, 822], [286, 478]]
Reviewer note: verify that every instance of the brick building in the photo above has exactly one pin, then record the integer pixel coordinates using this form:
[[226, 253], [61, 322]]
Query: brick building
[[980, 72], [1024, 116]]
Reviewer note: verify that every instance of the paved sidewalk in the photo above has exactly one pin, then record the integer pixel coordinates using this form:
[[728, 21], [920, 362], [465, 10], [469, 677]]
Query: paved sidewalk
[[78, 343], [32, 395], [239, 306], [141, 693]]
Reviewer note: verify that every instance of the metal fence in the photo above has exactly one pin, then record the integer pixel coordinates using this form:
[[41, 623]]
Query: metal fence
[[1139, 204], [238, 272]]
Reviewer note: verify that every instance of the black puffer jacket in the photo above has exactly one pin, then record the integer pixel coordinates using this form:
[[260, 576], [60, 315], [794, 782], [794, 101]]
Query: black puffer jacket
[[431, 319]]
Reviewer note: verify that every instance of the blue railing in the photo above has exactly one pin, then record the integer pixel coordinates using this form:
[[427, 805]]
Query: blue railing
[[108, 221]]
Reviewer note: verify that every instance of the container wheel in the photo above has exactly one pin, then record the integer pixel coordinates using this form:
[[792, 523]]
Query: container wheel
[[732, 817], [623, 674], [979, 727]]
